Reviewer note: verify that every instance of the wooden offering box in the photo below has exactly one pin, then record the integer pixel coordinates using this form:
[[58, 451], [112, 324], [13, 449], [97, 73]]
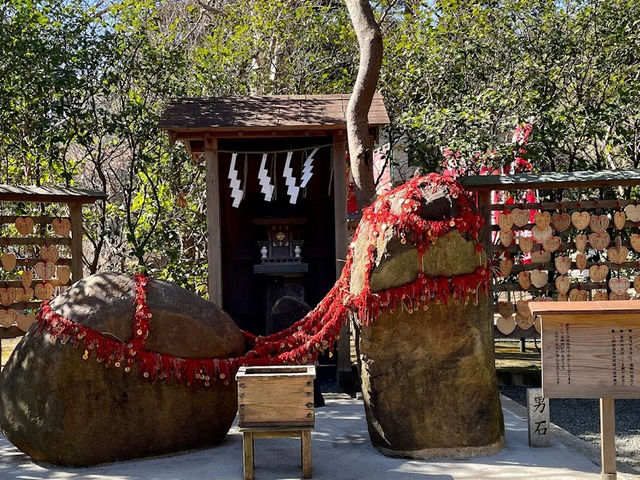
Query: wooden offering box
[[590, 349], [276, 396]]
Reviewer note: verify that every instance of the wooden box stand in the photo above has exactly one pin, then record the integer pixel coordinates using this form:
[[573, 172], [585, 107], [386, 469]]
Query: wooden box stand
[[275, 402]]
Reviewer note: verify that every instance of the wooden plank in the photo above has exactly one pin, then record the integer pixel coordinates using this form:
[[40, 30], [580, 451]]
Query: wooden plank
[[590, 353], [75, 210], [341, 242], [10, 332], [214, 244], [552, 180], [305, 452], [18, 283], [35, 241], [564, 206], [247, 456], [25, 305], [30, 262], [549, 287], [13, 193], [607, 438]]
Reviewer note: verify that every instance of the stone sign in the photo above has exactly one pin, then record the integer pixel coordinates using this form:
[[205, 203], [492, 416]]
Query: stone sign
[[539, 419]]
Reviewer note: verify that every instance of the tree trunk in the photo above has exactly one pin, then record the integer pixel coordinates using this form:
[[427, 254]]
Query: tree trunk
[[360, 142]]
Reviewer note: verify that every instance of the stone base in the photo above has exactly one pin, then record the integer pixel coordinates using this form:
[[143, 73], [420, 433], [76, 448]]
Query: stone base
[[449, 453]]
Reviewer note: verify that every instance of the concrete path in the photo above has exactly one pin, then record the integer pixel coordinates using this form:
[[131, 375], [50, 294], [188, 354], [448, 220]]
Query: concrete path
[[341, 451]]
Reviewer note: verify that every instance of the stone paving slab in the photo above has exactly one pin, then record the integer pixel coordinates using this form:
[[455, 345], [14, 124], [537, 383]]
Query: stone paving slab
[[341, 450]]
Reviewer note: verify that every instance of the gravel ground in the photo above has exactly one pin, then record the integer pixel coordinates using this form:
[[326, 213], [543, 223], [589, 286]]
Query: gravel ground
[[581, 417]]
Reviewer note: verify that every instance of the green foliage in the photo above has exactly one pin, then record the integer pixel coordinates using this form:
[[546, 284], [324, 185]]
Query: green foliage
[[82, 87]]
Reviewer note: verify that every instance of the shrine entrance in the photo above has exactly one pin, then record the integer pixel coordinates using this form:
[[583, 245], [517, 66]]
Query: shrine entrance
[[276, 198]]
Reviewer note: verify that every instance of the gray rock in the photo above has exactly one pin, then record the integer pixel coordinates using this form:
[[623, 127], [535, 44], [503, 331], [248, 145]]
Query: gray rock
[[59, 408], [428, 378]]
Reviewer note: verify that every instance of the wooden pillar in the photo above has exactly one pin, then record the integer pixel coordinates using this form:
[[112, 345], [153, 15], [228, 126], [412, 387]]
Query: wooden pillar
[[484, 209], [75, 212], [608, 438], [214, 244], [339, 160]]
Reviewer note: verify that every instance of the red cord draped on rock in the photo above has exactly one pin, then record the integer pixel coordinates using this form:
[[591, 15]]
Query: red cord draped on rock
[[396, 211]]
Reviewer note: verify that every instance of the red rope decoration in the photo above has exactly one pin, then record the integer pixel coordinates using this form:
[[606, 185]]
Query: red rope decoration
[[395, 213]]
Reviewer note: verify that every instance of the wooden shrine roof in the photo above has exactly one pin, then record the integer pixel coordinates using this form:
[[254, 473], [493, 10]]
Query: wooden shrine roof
[[552, 180], [277, 112], [12, 193]]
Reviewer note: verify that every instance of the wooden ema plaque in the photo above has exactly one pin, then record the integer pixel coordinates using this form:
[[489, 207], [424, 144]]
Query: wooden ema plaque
[[590, 349]]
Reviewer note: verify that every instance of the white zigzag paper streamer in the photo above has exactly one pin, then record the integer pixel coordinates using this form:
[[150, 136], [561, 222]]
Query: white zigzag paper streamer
[[265, 180], [307, 168], [290, 180], [236, 192]]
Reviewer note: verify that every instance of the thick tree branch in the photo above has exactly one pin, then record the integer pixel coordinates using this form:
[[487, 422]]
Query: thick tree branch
[[360, 142]]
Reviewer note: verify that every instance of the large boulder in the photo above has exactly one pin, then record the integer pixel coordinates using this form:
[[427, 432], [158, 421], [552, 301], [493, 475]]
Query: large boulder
[[427, 367], [60, 408]]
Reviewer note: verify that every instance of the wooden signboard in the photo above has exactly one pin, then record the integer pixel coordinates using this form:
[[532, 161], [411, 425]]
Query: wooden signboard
[[590, 349]]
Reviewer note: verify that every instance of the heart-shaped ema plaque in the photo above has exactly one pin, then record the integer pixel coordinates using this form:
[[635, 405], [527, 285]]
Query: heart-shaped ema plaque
[[563, 284], [600, 296], [577, 295], [24, 225], [561, 221], [621, 296], [26, 278], [63, 273], [526, 244], [8, 261], [542, 219], [61, 226], [522, 307], [580, 220], [619, 285], [635, 242], [505, 309], [505, 221], [7, 317], [45, 270], [581, 261], [552, 244], [539, 278], [525, 323], [44, 291], [633, 213], [25, 320], [540, 234], [540, 257], [562, 297], [618, 255], [563, 264], [505, 267], [49, 254], [636, 284], [599, 241], [598, 223], [619, 219], [7, 296], [520, 217], [598, 273], [581, 242], [24, 295], [506, 237], [524, 279], [506, 326]]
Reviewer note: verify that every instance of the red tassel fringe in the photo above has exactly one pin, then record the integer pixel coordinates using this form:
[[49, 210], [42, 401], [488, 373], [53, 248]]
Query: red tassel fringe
[[396, 212]]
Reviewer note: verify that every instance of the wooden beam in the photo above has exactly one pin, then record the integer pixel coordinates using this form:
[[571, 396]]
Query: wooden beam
[[339, 159], [13, 193], [607, 438], [214, 244], [75, 211]]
